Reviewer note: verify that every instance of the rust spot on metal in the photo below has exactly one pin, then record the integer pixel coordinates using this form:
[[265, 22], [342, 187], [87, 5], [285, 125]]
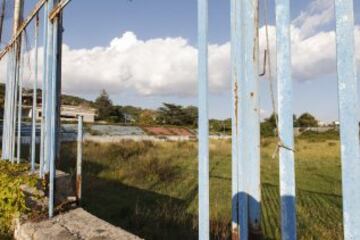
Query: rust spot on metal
[[78, 186], [236, 104], [235, 235]]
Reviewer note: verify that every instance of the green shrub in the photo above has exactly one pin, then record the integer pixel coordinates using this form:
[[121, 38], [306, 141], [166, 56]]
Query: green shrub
[[320, 136], [12, 198]]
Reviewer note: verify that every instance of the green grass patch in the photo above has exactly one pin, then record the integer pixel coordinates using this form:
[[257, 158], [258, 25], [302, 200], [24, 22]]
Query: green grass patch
[[151, 189]]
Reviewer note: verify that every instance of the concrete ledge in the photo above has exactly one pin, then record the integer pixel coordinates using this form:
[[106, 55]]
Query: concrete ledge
[[74, 225]]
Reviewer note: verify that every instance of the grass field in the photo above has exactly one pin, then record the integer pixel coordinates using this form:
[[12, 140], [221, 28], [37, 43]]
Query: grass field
[[150, 188]]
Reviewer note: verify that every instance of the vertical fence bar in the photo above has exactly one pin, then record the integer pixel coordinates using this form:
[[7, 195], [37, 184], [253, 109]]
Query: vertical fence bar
[[48, 97], [239, 195], [246, 121], [7, 113], [349, 122], [15, 101], [53, 103], [34, 107], [53, 118], [10, 108], [235, 59], [286, 132], [79, 159], [251, 119], [44, 89], [204, 221], [20, 93]]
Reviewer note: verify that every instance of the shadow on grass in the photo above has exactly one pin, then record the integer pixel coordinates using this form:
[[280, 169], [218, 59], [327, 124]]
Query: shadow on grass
[[144, 213]]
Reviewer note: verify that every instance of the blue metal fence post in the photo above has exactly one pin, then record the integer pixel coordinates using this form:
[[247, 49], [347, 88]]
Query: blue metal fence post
[[34, 107], [349, 121], [15, 101], [203, 135], [20, 93], [53, 103], [48, 91], [245, 120], [286, 132], [7, 113], [235, 70], [239, 195], [10, 107], [44, 89], [250, 124], [79, 158]]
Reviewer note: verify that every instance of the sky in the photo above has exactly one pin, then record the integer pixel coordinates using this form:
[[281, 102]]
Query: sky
[[144, 53]]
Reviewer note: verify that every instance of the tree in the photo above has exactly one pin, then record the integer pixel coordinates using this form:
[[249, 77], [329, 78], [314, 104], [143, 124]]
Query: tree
[[191, 115], [147, 117], [173, 114], [307, 120], [104, 105]]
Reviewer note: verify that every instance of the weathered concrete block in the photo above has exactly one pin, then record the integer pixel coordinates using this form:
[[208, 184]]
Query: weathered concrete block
[[74, 225]]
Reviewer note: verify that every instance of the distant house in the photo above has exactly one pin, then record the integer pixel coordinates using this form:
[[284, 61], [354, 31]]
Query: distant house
[[68, 113]]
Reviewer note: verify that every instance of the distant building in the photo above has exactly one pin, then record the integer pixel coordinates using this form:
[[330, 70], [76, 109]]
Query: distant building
[[68, 113]]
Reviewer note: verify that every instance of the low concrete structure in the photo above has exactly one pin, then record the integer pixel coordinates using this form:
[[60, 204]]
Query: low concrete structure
[[68, 113], [74, 225]]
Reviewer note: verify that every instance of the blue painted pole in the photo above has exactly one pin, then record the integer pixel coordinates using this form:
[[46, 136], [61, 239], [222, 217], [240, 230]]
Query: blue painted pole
[[203, 158], [285, 111], [44, 89], [20, 93], [239, 195], [54, 104], [15, 102], [34, 107], [250, 124], [7, 113], [246, 120], [349, 122], [79, 158], [53, 123], [48, 91], [10, 107]]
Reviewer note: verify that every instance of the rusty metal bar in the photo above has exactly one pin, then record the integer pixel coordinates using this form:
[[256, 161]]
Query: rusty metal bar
[[285, 111], [22, 27], [79, 159], [58, 8], [349, 121], [203, 135]]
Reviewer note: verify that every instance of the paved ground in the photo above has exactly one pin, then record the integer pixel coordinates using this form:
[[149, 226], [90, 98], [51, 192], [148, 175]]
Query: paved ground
[[74, 225]]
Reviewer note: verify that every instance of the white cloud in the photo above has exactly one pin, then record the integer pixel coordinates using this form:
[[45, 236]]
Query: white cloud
[[317, 14], [162, 66], [168, 66]]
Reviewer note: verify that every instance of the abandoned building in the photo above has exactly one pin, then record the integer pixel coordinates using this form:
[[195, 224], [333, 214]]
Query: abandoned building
[[68, 112]]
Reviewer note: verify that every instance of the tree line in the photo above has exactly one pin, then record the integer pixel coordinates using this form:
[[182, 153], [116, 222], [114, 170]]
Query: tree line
[[177, 115]]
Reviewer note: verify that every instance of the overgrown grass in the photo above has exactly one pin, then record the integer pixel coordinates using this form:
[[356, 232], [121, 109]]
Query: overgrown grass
[[12, 198], [151, 189]]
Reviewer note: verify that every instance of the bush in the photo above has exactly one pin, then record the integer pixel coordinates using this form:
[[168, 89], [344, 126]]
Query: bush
[[12, 198], [320, 136]]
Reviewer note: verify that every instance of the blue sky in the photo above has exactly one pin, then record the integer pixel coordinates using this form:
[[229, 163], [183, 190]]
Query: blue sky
[[162, 29]]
